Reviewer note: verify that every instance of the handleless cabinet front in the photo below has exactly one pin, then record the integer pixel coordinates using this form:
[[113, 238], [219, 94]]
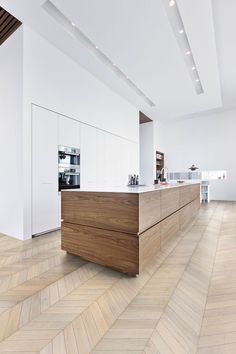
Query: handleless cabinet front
[[45, 208], [169, 201], [68, 132]]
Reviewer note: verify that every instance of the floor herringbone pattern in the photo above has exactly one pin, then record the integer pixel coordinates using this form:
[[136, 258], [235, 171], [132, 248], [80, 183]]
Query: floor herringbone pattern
[[183, 302]]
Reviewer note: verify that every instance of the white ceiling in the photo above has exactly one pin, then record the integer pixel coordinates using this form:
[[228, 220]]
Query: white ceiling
[[225, 27], [137, 36]]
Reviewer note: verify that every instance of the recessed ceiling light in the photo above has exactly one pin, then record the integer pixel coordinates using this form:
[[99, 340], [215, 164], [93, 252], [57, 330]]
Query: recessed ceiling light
[[67, 24], [176, 22]]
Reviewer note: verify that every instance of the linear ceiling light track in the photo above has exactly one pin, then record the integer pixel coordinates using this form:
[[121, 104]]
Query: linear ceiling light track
[[177, 25], [73, 30]]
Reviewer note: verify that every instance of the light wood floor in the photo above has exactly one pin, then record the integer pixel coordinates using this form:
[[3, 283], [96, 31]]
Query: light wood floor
[[183, 302]]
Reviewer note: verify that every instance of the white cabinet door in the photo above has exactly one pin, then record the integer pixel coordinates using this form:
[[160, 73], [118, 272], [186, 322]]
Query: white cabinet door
[[45, 211], [101, 158], [88, 157], [106, 159], [69, 132]]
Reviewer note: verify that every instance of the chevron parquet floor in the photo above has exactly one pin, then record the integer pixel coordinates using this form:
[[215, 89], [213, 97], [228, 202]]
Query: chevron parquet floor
[[183, 302]]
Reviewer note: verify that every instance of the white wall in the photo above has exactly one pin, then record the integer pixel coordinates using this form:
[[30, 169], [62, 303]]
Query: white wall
[[11, 203], [147, 153], [208, 142], [54, 81], [159, 136]]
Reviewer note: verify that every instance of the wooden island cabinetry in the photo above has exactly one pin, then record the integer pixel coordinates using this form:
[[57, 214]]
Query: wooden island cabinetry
[[124, 228]]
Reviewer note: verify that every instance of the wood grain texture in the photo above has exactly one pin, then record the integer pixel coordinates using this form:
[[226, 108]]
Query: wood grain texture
[[196, 205], [195, 191], [29, 248], [185, 196], [170, 201], [189, 193], [92, 220], [109, 248], [185, 215], [188, 212], [149, 210], [182, 302], [149, 245], [111, 211], [8, 25], [169, 227], [143, 118]]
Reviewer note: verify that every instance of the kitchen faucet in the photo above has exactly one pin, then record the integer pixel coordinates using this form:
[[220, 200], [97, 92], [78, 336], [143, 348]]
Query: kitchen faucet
[[165, 170]]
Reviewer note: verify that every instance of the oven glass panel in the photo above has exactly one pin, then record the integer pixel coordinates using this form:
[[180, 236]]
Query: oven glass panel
[[66, 159], [68, 167]]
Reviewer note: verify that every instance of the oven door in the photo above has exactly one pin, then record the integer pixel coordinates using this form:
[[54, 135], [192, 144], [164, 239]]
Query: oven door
[[68, 178], [67, 160], [68, 157]]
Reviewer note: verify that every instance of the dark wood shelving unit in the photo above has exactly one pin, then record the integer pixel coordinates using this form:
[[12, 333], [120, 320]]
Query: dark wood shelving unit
[[160, 162]]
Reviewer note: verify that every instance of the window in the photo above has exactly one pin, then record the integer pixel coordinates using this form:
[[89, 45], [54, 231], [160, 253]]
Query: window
[[213, 175]]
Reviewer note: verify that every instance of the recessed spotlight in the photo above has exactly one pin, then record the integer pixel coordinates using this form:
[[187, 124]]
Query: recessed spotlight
[[181, 36], [73, 29]]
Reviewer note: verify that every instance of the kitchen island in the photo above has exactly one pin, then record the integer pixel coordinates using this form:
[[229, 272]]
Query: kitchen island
[[123, 228]]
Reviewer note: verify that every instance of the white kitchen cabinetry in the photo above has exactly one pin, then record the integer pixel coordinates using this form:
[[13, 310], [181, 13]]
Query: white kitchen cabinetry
[[88, 156], [45, 211], [106, 159], [68, 132], [101, 155]]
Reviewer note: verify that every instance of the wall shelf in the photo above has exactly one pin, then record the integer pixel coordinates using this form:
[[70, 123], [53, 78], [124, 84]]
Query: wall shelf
[[205, 192], [160, 159]]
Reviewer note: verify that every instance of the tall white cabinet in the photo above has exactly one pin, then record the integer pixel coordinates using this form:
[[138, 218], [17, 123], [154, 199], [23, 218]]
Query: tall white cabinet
[[106, 160], [88, 156], [45, 213], [68, 132], [49, 130]]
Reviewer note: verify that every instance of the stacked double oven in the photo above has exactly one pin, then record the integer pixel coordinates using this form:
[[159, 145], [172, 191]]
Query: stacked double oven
[[68, 167]]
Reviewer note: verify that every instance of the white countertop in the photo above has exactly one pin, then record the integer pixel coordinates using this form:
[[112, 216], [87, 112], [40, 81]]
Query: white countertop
[[134, 189]]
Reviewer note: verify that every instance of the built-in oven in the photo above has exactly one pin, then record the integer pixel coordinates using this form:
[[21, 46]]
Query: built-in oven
[[68, 167]]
